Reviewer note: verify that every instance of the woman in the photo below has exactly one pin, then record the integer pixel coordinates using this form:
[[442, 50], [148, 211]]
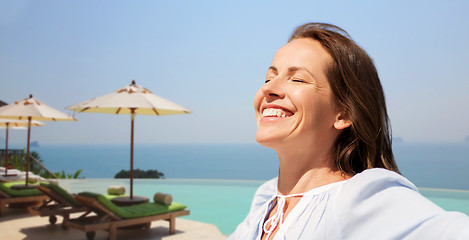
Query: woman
[[322, 109]]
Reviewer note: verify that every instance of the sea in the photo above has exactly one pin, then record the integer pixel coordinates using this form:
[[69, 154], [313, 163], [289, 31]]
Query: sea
[[427, 165]]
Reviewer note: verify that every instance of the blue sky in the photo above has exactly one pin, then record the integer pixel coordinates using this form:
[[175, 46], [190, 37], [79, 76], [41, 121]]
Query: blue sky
[[211, 57]]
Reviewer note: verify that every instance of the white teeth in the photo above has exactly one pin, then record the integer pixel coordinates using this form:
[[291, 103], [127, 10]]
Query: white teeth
[[271, 112]]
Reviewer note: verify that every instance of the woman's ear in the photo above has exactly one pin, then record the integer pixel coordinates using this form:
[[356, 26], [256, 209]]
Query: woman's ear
[[342, 121]]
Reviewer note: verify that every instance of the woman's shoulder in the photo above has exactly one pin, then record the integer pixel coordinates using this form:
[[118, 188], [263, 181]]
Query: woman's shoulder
[[371, 201], [375, 187], [377, 179]]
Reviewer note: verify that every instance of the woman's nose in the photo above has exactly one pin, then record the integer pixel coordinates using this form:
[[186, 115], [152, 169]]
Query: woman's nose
[[273, 89]]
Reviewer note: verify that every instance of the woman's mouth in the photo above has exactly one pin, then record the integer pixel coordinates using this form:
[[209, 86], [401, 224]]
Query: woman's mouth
[[276, 112]]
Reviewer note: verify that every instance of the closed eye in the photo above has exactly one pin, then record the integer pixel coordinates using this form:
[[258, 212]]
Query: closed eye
[[298, 80], [267, 80]]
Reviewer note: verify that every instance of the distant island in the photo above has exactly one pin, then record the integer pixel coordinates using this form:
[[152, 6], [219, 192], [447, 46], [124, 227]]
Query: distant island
[[140, 174]]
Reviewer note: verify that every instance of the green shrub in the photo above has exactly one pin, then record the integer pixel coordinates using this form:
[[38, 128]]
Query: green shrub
[[140, 174]]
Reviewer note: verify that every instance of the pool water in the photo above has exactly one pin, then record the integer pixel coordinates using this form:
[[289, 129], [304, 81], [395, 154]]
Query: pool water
[[225, 203], [450, 200]]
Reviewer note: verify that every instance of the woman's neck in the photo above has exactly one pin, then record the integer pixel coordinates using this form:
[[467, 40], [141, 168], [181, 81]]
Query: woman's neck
[[302, 171]]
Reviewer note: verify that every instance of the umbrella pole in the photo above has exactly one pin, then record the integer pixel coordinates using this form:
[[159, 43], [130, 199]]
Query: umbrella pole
[[132, 153], [6, 150], [27, 153]]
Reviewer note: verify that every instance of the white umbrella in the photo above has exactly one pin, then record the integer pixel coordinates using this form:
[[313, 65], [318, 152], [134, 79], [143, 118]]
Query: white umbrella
[[14, 124], [132, 99], [31, 109]]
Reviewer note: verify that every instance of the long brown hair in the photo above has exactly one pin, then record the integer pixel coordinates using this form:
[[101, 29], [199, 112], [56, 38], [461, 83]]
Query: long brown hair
[[358, 94]]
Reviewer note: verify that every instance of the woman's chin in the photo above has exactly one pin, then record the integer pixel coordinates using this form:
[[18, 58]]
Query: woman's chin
[[267, 140]]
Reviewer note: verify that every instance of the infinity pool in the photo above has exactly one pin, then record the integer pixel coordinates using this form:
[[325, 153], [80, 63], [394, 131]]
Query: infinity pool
[[225, 203]]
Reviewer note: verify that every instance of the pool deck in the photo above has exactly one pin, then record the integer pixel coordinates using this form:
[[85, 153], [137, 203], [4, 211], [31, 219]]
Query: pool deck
[[18, 224]]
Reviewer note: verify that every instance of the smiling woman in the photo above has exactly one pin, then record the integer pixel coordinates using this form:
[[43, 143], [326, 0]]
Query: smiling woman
[[297, 86], [322, 109]]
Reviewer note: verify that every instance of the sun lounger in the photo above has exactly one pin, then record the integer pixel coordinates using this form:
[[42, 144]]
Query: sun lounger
[[15, 175], [26, 197], [110, 217], [61, 203]]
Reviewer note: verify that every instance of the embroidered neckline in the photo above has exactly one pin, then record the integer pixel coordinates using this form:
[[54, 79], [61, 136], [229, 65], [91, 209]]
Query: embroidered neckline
[[277, 219]]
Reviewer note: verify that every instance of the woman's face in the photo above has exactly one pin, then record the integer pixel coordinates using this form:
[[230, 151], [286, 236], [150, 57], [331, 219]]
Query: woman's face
[[295, 102]]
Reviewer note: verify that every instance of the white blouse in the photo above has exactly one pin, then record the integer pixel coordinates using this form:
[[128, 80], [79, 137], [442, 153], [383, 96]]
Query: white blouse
[[374, 204]]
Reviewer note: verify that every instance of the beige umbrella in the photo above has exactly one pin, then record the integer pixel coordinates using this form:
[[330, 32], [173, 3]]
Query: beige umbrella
[[132, 99], [14, 124], [31, 109]]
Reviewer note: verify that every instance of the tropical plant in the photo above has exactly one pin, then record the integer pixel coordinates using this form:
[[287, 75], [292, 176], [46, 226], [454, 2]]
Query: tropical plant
[[63, 175], [18, 161]]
